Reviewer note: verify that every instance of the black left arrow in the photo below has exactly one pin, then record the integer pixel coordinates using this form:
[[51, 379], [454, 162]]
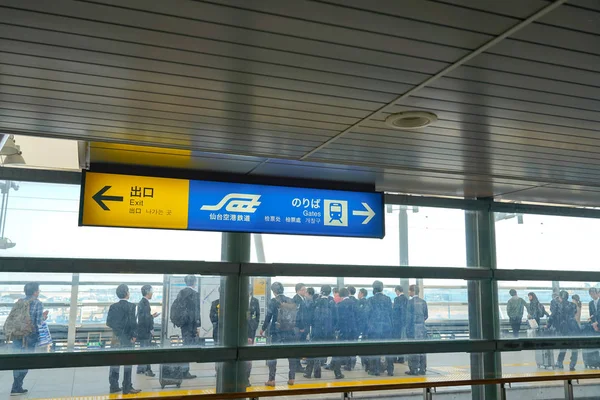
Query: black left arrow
[[100, 198]]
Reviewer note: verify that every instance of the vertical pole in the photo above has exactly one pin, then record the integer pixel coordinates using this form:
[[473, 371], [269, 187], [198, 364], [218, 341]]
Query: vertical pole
[[492, 365], [73, 310], [474, 299], [235, 247], [403, 241], [340, 282]]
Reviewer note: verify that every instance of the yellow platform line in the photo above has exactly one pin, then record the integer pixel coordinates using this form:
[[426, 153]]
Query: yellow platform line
[[323, 385]]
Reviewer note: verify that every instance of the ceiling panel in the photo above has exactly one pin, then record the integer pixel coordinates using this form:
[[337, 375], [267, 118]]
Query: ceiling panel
[[255, 87]]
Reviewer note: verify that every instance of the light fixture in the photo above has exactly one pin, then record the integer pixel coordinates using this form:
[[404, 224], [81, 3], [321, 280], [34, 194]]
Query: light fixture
[[14, 159], [11, 152], [410, 120], [6, 243]]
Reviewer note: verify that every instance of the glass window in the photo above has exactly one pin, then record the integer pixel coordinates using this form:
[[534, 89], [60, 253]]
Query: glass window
[[42, 221], [546, 242], [428, 229], [544, 312], [151, 321], [347, 309]]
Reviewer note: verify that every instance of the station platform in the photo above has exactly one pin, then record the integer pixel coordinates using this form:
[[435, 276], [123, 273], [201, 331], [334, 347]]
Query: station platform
[[92, 383]]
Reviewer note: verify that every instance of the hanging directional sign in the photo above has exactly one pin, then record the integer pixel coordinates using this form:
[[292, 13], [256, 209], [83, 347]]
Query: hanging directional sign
[[148, 202]]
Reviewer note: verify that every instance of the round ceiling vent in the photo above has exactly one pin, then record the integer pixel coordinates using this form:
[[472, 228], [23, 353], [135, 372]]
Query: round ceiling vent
[[410, 120]]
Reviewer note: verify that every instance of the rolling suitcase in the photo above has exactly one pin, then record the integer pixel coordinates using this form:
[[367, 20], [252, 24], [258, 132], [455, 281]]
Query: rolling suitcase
[[544, 359], [170, 375], [591, 358]]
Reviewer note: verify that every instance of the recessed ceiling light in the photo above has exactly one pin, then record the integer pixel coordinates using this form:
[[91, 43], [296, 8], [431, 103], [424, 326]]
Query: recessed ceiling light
[[410, 120]]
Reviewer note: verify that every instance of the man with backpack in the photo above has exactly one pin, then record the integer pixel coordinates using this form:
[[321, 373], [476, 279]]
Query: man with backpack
[[185, 314], [22, 327], [121, 319], [280, 321], [325, 320]]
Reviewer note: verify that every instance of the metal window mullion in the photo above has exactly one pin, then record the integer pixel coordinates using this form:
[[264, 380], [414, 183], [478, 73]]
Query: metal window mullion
[[546, 275]]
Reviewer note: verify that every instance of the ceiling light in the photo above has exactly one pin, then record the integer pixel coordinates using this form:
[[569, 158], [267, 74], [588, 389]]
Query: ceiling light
[[14, 159], [410, 120]]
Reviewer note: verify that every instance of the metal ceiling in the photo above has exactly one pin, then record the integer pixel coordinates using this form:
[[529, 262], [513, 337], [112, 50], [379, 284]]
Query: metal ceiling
[[302, 88]]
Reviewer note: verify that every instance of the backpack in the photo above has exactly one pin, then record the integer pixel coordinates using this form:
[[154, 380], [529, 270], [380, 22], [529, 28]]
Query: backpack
[[179, 311], [286, 316], [18, 324]]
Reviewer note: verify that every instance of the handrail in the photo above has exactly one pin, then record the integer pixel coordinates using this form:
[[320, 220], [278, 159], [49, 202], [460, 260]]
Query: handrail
[[380, 387]]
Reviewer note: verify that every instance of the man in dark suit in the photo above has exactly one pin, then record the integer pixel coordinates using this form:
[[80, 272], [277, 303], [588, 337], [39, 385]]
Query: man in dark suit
[[121, 319], [189, 331], [399, 318], [379, 325], [357, 327], [347, 317], [145, 330], [593, 306], [253, 322], [302, 322], [215, 307], [417, 314]]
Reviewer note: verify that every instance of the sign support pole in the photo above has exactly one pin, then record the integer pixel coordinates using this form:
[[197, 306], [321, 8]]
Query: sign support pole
[[231, 376]]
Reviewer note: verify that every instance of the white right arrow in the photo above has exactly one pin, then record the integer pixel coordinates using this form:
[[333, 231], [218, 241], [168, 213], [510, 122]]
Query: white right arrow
[[369, 213]]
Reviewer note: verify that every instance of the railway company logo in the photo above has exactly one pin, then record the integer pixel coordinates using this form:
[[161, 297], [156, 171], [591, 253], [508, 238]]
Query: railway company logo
[[236, 202]]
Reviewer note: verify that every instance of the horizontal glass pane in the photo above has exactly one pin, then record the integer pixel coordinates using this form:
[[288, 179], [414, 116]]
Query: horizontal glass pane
[[142, 316], [359, 309], [42, 221], [546, 242], [547, 309], [427, 229]]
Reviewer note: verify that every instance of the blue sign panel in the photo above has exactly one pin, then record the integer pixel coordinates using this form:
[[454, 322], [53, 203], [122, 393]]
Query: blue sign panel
[[219, 206]]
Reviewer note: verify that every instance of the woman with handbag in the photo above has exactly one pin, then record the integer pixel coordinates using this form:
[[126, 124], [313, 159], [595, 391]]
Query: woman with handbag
[[537, 311]]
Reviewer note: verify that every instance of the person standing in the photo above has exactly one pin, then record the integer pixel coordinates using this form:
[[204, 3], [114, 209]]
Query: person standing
[[577, 301], [347, 317], [280, 322], [537, 311], [399, 317], [253, 321], [593, 305], [215, 311], [356, 323], [22, 327], [145, 331], [417, 314], [302, 323], [324, 323], [515, 308], [121, 319], [185, 313], [362, 323], [566, 325], [379, 326]]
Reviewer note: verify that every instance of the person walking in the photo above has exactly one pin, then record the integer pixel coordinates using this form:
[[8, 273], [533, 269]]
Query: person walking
[[417, 314], [185, 314], [347, 317], [145, 330], [399, 317], [302, 323], [515, 308], [280, 323], [566, 325], [121, 319], [22, 327], [379, 326]]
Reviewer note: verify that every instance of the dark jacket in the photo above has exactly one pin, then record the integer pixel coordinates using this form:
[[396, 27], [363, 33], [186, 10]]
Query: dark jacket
[[379, 316], [362, 316], [347, 319], [416, 316], [121, 319], [253, 317], [192, 298], [325, 319], [399, 316], [270, 324], [593, 311], [145, 320], [537, 310], [214, 319], [564, 320], [302, 320]]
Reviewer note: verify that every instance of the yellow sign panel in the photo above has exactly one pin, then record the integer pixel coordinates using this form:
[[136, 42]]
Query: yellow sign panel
[[260, 287], [135, 201]]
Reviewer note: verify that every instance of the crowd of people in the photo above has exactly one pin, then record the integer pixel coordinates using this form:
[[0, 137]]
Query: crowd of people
[[338, 314], [345, 316], [564, 318]]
